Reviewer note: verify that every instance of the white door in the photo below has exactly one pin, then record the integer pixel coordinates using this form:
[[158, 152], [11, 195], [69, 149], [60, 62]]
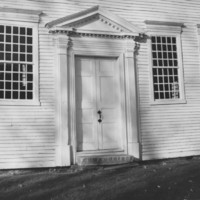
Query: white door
[[98, 104]]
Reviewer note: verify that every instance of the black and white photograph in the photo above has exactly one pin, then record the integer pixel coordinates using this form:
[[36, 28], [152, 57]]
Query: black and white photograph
[[99, 99]]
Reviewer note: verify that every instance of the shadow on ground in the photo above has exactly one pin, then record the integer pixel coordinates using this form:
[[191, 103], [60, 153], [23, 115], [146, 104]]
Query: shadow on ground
[[176, 179]]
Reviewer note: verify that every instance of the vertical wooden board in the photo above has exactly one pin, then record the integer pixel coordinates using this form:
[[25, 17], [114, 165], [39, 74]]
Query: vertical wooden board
[[85, 104], [109, 102]]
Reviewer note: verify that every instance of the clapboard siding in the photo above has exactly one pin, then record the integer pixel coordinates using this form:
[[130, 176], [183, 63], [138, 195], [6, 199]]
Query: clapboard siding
[[172, 130], [27, 133]]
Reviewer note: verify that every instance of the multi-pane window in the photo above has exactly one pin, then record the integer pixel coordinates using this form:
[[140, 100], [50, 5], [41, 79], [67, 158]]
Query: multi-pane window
[[165, 67], [16, 62]]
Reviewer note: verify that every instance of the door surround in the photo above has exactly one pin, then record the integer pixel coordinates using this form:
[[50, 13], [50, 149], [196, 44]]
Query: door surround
[[94, 32], [125, 57]]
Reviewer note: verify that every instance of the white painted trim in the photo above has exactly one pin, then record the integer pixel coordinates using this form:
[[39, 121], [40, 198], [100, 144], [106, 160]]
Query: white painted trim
[[24, 15], [123, 50], [151, 89], [123, 99], [18, 10], [106, 53], [164, 23], [101, 152], [163, 27], [198, 36], [120, 21], [102, 32], [62, 126], [72, 103], [72, 118], [181, 67], [131, 146], [168, 101], [96, 10], [163, 33], [132, 101], [36, 63], [14, 102]]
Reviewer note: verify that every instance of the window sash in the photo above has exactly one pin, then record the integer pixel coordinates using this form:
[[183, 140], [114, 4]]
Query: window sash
[[165, 67], [34, 63], [16, 81]]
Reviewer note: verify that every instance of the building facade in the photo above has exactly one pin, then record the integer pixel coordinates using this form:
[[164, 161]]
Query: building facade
[[86, 82]]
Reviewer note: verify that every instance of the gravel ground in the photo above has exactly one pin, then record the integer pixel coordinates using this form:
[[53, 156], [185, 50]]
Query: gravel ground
[[174, 179]]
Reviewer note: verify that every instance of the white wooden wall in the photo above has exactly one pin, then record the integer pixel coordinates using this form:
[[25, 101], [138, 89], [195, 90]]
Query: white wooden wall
[[27, 134]]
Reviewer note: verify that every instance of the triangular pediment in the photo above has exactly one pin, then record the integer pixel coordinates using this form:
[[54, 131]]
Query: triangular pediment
[[97, 23], [95, 19]]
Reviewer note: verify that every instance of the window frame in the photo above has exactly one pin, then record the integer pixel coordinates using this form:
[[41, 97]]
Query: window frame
[[35, 100], [171, 30]]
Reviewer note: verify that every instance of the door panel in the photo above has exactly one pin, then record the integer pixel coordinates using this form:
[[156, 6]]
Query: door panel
[[87, 139], [84, 67], [106, 67], [110, 136], [107, 91], [109, 102], [85, 92], [98, 88], [86, 105]]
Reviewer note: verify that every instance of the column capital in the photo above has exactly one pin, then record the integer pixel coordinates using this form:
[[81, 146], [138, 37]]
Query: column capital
[[130, 48], [136, 48], [61, 42]]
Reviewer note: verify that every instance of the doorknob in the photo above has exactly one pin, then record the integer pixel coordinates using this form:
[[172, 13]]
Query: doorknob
[[100, 116], [99, 112]]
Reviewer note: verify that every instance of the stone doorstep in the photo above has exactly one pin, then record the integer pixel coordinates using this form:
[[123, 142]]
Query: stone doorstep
[[104, 160]]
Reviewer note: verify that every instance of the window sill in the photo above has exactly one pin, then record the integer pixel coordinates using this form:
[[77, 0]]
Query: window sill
[[19, 103], [168, 102]]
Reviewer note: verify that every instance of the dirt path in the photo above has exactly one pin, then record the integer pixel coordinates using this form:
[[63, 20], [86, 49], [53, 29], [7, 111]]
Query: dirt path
[[177, 179]]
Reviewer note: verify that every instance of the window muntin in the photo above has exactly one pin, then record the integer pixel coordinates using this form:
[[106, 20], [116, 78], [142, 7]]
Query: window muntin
[[165, 67], [16, 62]]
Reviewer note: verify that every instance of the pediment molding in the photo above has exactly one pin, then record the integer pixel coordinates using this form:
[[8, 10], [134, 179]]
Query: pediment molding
[[97, 18], [94, 22]]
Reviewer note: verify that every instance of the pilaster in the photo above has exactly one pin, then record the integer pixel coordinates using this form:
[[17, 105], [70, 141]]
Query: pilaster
[[131, 98], [62, 130]]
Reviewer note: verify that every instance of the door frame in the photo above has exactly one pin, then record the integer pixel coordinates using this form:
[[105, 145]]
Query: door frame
[[119, 62], [72, 100], [123, 50]]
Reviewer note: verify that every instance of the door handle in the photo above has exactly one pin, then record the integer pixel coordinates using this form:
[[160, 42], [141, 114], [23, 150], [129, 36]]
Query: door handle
[[100, 116]]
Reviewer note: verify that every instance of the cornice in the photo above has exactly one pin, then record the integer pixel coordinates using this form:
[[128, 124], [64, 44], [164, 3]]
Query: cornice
[[20, 14], [21, 11], [69, 18], [163, 23], [163, 26], [73, 33]]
